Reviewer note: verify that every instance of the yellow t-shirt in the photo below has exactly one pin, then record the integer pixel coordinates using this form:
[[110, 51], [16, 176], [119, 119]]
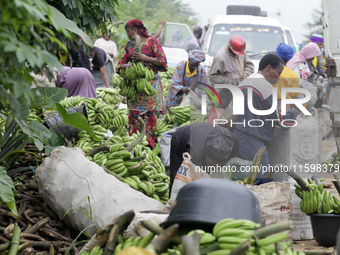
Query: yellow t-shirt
[[288, 78], [187, 71]]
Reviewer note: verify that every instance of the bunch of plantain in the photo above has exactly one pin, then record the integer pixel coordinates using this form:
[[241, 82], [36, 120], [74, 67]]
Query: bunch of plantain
[[34, 115], [180, 114], [142, 169], [333, 163], [103, 114], [86, 142], [162, 126], [109, 95], [74, 101], [316, 200], [166, 80], [136, 80]]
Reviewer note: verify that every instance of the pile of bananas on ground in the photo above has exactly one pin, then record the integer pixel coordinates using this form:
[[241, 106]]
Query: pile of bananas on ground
[[316, 200], [85, 141], [229, 235], [162, 126], [142, 170], [74, 101], [109, 95], [34, 115], [105, 115], [136, 79]]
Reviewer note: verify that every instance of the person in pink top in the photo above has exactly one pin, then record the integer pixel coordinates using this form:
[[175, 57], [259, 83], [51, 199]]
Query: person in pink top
[[299, 62]]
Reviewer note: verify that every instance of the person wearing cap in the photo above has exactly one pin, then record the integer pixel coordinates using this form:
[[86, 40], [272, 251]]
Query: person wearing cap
[[206, 144], [256, 131], [231, 65], [186, 76], [177, 42], [319, 61], [288, 78]]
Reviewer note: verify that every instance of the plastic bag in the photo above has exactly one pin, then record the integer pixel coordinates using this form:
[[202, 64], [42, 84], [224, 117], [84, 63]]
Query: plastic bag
[[186, 173], [69, 180], [191, 99], [67, 131]]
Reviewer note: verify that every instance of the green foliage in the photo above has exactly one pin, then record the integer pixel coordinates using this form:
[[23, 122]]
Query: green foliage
[[151, 12], [316, 25]]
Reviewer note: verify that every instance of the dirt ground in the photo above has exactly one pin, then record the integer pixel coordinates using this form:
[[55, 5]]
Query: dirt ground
[[328, 146]]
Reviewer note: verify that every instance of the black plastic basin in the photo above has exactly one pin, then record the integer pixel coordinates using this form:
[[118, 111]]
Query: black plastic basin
[[207, 201], [325, 228]]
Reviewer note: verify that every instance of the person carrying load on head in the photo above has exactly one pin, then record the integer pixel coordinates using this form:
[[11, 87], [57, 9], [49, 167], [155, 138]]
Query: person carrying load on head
[[152, 56], [187, 76], [231, 65]]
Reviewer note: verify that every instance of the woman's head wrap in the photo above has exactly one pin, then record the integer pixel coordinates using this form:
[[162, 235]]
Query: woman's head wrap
[[316, 37], [196, 56], [310, 50], [138, 24], [284, 51]]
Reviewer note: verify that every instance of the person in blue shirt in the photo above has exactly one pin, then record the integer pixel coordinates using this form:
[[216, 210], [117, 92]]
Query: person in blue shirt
[[260, 130]]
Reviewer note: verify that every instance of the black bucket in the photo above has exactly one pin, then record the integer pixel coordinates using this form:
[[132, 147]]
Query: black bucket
[[66, 130], [325, 228], [204, 202]]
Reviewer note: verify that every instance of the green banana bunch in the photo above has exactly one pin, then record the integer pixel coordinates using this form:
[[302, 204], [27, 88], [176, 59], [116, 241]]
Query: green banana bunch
[[316, 200], [95, 251], [33, 116], [109, 95], [180, 114], [74, 101], [162, 126], [136, 79]]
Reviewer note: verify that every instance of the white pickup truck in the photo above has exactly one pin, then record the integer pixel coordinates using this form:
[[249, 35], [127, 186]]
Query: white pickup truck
[[262, 34]]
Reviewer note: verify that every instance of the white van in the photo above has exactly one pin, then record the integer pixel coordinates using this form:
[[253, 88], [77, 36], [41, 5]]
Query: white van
[[262, 34]]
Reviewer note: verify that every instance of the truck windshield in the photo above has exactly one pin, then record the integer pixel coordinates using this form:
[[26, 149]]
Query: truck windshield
[[259, 38]]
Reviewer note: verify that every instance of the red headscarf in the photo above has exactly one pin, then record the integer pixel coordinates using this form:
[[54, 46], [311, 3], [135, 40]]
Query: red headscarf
[[138, 24]]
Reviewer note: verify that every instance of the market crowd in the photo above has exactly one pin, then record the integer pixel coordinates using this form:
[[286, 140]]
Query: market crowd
[[207, 144]]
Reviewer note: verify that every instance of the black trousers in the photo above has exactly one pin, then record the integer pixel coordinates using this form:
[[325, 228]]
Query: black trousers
[[176, 157]]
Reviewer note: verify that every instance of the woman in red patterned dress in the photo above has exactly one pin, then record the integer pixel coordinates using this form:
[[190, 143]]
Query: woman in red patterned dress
[[153, 57]]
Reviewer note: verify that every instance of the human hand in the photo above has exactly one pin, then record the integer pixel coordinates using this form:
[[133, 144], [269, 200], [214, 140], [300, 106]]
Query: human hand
[[186, 90], [324, 75], [138, 57], [163, 22], [243, 77]]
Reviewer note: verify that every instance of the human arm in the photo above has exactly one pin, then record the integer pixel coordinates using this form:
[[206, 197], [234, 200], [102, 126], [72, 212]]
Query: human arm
[[321, 71], [216, 73], [124, 61], [248, 68], [176, 85], [153, 56], [144, 58], [104, 75], [159, 31]]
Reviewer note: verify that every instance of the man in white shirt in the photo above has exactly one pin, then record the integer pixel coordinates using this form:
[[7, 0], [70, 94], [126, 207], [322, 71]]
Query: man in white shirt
[[107, 45]]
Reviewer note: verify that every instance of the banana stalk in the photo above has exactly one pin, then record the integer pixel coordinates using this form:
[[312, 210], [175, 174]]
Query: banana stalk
[[15, 240], [241, 248], [116, 229], [140, 137], [160, 244], [98, 149], [273, 229], [191, 244]]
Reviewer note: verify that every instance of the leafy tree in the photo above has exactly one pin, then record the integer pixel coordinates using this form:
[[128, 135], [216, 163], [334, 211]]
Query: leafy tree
[[151, 12], [30, 33], [316, 24]]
